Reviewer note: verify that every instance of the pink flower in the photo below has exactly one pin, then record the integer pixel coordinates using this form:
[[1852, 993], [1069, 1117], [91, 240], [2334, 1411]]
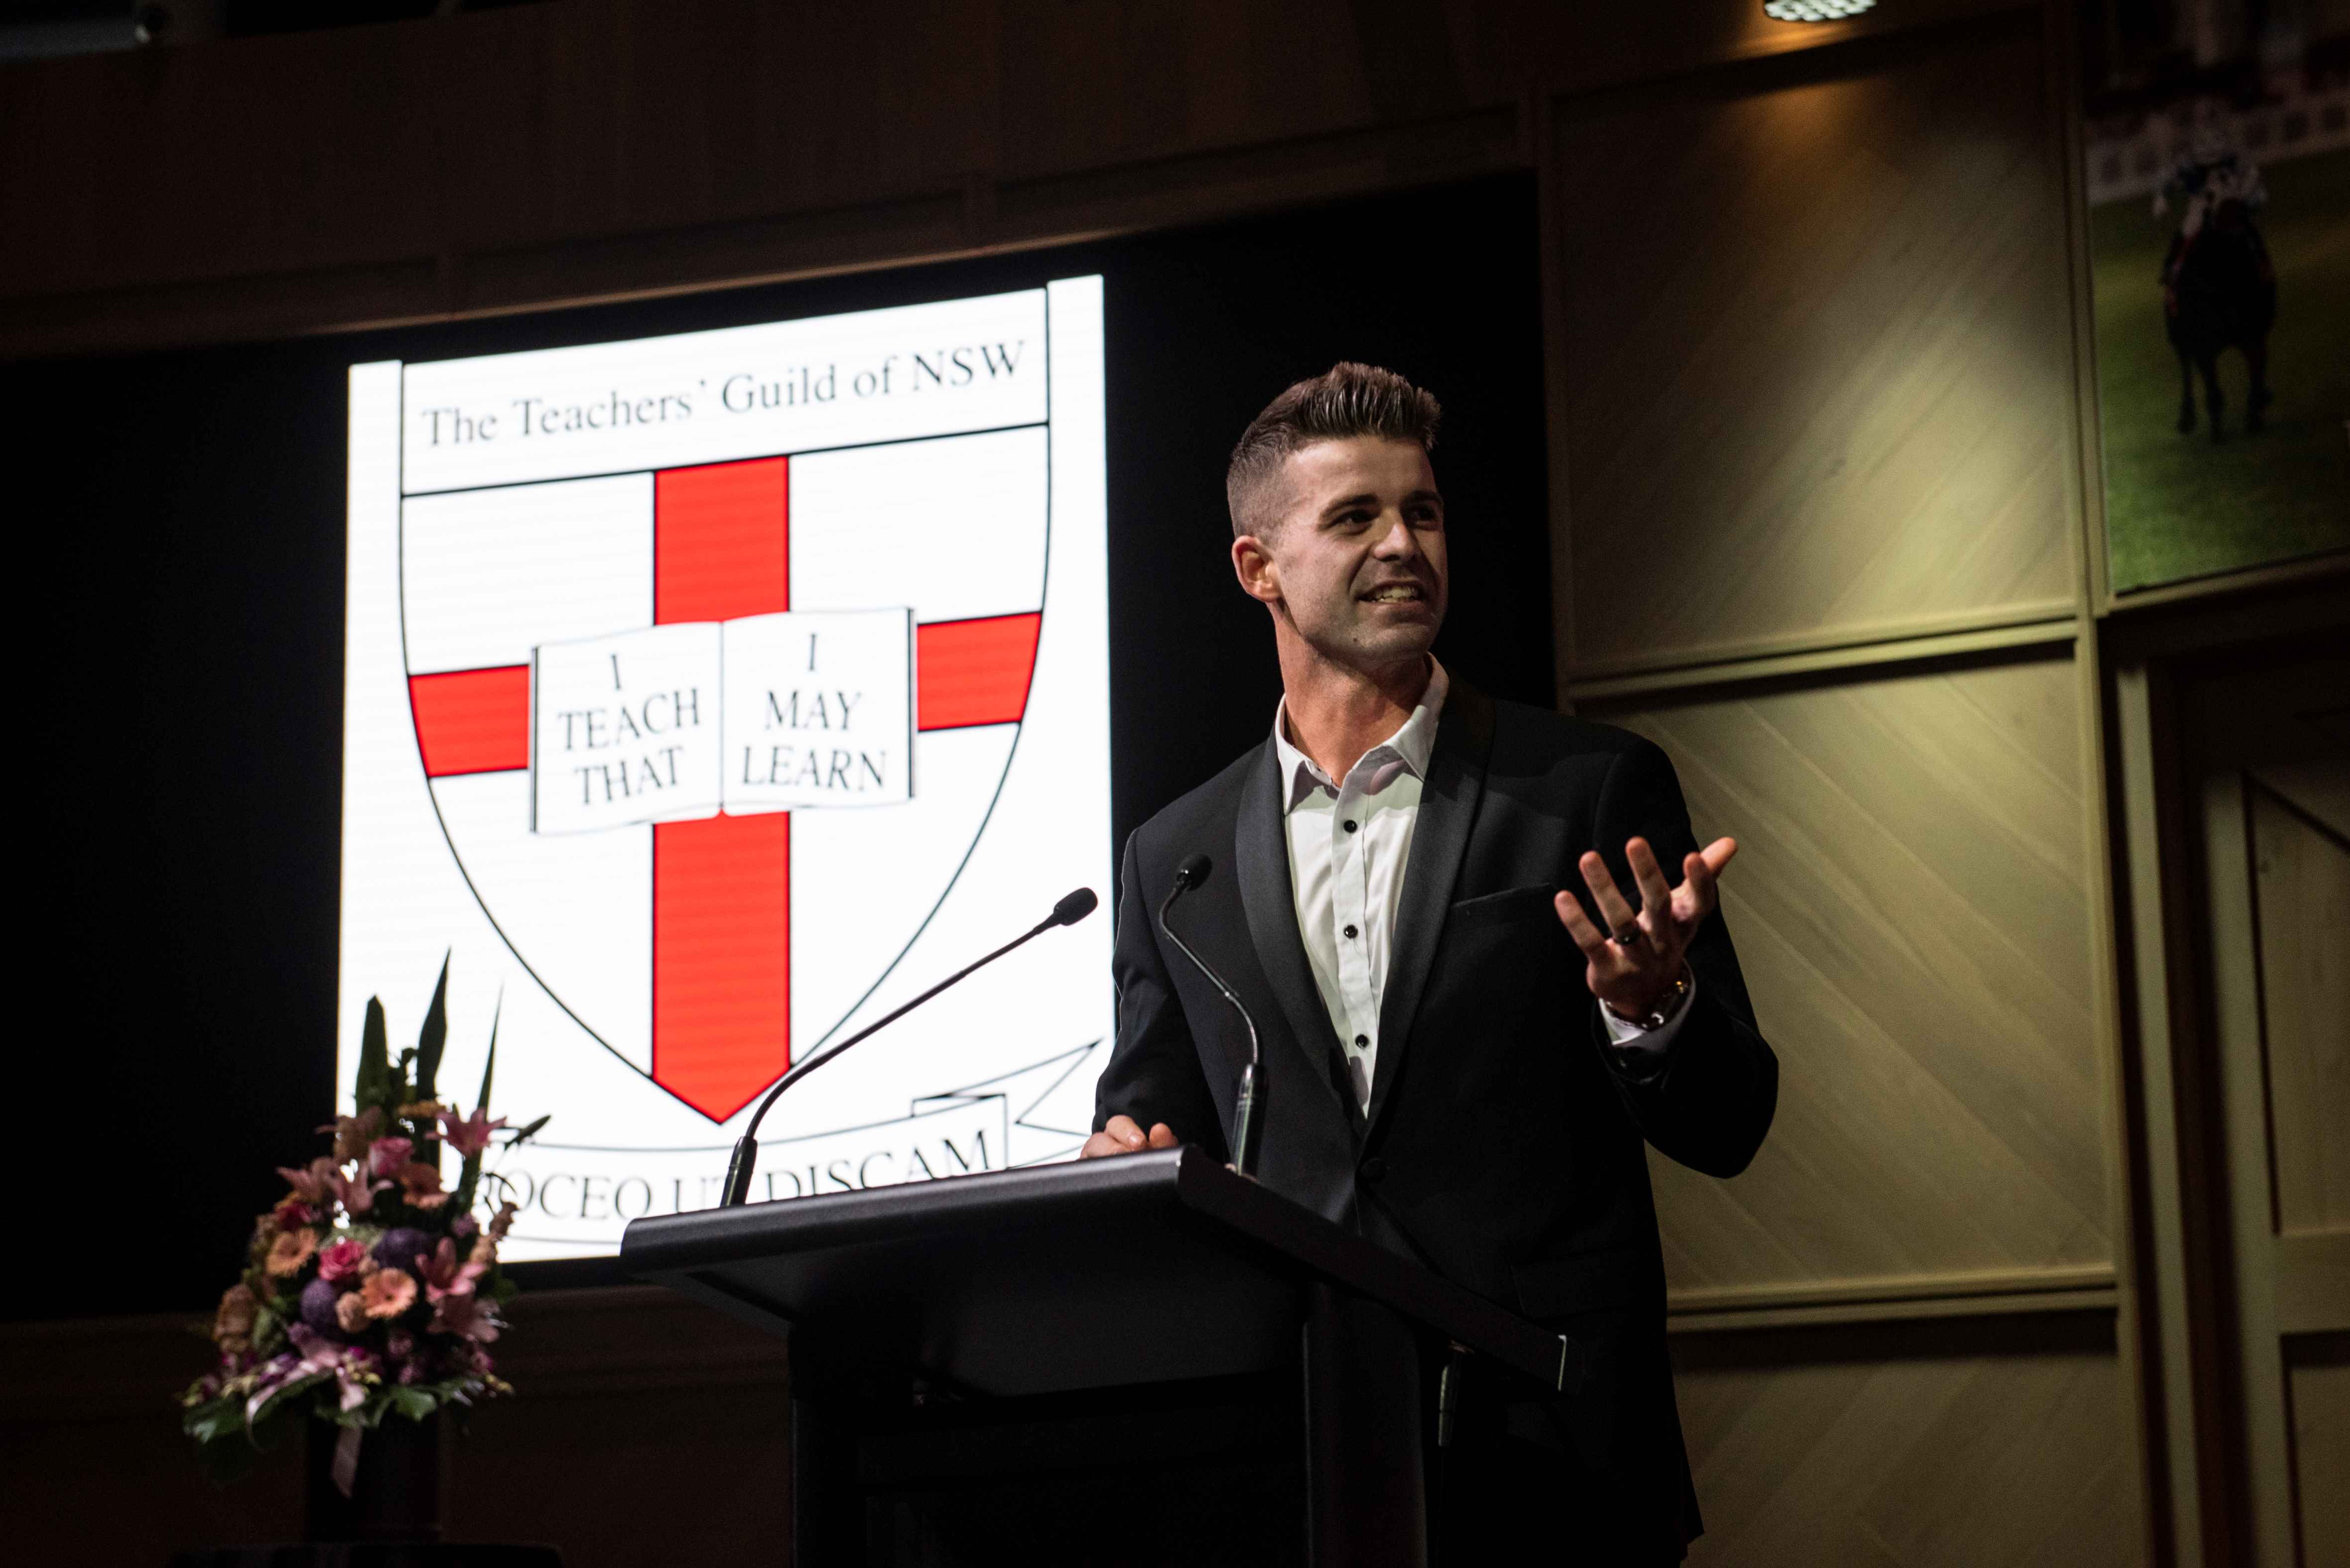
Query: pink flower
[[313, 1183], [353, 1368], [503, 1221], [469, 1135], [468, 1316], [292, 1214], [421, 1184], [353, 1134], [444, 1276], [290, 1252], [351, 1311], [357, 1193], [388, 1293], [387, 1155], [342, 1259]]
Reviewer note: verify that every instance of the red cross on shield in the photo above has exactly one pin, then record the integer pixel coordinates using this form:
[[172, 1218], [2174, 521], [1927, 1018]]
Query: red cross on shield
[[688, 925]]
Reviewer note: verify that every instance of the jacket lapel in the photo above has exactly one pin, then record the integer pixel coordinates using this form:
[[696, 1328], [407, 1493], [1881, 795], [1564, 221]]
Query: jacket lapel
[[1261, 861], [1448, 810]]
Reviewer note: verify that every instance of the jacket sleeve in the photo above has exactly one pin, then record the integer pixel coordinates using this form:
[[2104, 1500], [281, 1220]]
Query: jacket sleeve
[[1708, 1103], [1154, 1074]]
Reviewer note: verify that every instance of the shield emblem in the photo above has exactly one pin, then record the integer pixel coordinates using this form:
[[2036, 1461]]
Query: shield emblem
[[673, 721]]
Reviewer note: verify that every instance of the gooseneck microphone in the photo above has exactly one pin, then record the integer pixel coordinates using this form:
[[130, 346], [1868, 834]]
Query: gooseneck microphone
[[1073, 907], [1188, 875]]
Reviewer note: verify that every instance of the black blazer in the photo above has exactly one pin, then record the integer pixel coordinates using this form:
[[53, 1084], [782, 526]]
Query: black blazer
[[1502, 1145]]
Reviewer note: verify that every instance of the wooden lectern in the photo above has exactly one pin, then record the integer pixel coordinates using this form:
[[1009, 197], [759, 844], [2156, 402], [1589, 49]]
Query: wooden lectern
[[1149, 1349]]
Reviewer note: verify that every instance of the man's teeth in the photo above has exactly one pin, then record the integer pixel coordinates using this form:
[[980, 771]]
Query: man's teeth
[[1395, 593]]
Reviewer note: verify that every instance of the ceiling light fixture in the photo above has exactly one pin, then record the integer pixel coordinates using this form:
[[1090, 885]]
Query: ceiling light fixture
[[1814, 10]]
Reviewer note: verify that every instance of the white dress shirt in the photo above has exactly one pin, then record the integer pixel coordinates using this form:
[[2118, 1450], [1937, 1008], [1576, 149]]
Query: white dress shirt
[[1348, 845]]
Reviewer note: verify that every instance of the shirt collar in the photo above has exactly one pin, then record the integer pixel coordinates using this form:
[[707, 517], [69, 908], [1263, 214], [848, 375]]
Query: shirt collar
[[1411, 746]]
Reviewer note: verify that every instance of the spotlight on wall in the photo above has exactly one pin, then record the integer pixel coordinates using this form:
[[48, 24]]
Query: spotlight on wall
[[1814, 10]]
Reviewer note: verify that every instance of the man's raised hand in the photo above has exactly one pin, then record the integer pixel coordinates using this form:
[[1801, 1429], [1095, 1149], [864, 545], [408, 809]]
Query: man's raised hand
[[1635, 962], [1124, 1135]]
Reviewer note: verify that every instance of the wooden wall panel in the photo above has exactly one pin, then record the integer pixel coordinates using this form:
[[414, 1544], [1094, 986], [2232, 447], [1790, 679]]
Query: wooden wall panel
[[2321, 1450], [159, 166], [613, 117], [1872, 1455], [1818, 346], [1169, 77], [2303, 882], [1910, 908]]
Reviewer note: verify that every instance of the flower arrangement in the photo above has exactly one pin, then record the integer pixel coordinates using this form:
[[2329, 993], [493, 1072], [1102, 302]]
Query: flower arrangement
[[370, 1289]]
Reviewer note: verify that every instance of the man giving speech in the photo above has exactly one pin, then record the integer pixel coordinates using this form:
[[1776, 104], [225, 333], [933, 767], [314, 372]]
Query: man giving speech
[[1479, 989]]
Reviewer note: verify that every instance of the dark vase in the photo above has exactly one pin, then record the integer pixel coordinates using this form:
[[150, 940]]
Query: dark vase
[[396, 1493]]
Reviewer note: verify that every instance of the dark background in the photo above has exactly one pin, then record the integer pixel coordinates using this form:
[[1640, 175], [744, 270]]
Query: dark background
[[184, 602]]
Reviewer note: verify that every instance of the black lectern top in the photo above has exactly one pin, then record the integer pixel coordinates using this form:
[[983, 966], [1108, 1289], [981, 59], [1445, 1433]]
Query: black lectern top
[[1142, 1269]]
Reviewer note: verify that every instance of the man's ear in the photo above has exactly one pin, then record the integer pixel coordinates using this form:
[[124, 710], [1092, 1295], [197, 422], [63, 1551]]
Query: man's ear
[[1252, 563]]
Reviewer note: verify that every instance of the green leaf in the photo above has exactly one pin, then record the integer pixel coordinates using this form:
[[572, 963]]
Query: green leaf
[[218, 1418], [523, 1135], [469, 1179], [433, 1038], [490, 1062], [416, 1403], [374, 1085], [469, 1176]]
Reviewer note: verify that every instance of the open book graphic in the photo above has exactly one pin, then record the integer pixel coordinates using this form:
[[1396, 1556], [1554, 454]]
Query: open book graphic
[[769, 712]]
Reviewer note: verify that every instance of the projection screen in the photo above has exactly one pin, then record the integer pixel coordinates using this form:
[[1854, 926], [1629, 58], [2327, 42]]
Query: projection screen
[[707, 696]]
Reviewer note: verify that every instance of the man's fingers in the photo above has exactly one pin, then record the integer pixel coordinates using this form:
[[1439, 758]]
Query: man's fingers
[[1718, 853], [1124, 1135], [1612, 909], [1694, 901], [1588, 937], [1656, 894]]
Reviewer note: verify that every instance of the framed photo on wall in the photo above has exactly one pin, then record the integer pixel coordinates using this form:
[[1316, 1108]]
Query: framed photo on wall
[[2217, 143]]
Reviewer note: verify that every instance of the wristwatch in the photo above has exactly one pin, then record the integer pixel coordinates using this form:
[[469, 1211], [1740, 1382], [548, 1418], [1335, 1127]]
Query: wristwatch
[[1667, 1005]]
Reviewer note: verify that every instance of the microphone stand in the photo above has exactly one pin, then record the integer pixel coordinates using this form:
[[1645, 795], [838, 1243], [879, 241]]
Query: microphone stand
[[1190, 875], [1075, 907]]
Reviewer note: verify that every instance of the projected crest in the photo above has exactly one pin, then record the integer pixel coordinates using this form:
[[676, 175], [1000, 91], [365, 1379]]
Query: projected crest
[[678, 722], [707, 697]]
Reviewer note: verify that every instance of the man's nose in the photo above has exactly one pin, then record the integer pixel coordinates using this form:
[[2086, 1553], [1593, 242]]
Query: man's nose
[[1396, 542]]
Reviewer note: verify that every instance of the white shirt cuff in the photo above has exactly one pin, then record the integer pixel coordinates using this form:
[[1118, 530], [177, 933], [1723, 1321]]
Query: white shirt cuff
[[1632, 1040]]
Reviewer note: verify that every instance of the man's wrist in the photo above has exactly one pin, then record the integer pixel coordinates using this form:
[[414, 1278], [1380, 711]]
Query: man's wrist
[[1662, 1007]]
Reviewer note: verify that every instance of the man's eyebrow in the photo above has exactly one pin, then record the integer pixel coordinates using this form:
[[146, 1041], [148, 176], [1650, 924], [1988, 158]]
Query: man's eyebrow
[[1344, 504], [1423, 495]]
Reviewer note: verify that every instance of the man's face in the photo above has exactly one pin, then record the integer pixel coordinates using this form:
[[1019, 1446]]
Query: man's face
[[1357, 559]]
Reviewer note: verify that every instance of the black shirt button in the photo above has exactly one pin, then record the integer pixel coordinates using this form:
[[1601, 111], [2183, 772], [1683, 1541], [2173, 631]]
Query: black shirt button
[[1350, 931], [1350, 827], [1363, 1040], [1375, 1170]]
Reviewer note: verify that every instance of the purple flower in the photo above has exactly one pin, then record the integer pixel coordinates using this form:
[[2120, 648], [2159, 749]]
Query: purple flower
[[319, 1298], [401, 1246]]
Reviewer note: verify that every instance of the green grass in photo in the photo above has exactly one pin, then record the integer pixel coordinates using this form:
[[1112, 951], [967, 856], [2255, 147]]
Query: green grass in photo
[[2178, 506]]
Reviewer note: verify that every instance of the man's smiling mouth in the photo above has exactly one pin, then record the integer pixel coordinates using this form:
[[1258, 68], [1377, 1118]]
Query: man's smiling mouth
[[1395, 593]]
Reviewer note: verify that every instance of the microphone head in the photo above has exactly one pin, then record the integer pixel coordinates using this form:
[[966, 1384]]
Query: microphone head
[[1075, 907], [1194, 871]]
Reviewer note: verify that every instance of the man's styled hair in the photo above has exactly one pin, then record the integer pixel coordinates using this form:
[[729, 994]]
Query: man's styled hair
[[1348, 399]]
